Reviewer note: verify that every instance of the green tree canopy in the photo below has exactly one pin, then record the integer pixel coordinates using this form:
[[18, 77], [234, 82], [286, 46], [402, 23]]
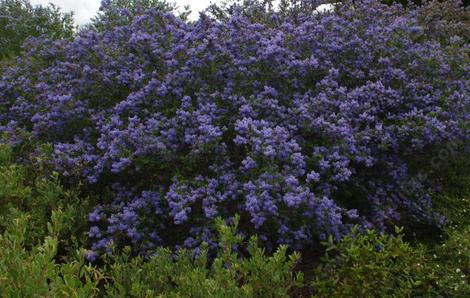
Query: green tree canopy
[[20, 20], [114, 13]]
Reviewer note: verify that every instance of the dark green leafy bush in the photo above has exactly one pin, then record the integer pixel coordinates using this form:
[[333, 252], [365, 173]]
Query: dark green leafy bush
[[370, 265], [450, 264], [375, 265], [378, 265], [34, 272], [451, 259], [38, 194], [257, 275]]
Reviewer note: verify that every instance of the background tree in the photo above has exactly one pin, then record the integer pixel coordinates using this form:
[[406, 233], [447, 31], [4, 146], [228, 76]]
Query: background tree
[[20, 20], [114, 13]]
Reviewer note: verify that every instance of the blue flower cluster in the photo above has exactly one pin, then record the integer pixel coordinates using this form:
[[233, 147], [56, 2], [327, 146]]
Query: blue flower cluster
[[304, 125]]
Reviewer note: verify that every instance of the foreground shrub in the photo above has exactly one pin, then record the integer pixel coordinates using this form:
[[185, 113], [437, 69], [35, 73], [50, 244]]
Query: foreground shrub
[[257, 275], [371, 265], [449, 265], [451, 259], [378, 265], [375, 265], [37, 193], [303, 125], [454, 201], [34, 272]]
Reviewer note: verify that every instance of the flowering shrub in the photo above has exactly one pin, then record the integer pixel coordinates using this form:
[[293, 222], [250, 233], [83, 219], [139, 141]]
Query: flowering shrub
[[303, 124]]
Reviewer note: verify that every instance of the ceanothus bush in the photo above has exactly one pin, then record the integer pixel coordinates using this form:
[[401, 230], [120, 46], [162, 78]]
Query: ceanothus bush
[[304, 124]]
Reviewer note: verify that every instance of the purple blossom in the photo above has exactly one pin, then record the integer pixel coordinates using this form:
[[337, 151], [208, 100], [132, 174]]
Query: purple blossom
[[184, 122]]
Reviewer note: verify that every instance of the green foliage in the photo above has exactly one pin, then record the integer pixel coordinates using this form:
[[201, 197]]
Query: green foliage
[[34, 272], [257, 275], [454, 201], [377, 265], [20, 20], [23, 188], [115, 13], [370, 265], [451, 259], [450, 264]]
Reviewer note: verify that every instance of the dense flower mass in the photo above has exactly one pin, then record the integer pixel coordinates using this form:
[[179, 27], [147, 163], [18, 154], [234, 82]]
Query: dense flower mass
[[303, 124]]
